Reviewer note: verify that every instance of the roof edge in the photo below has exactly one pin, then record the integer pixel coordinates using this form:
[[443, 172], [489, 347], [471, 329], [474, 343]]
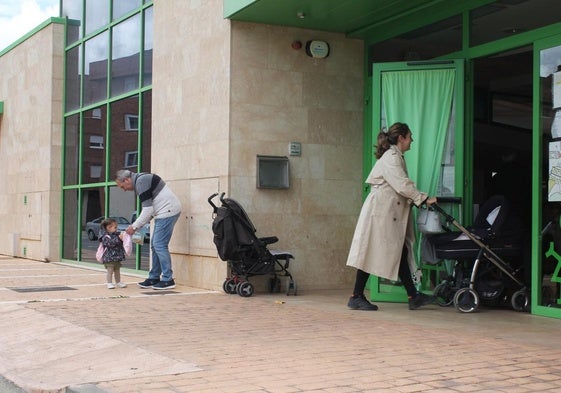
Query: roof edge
[[52, 20]]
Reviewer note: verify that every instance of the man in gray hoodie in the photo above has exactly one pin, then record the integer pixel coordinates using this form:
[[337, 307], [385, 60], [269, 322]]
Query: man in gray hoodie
[[160, 203]]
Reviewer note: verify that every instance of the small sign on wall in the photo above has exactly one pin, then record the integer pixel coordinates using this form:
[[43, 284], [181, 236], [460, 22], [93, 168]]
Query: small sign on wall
[[295, 148]]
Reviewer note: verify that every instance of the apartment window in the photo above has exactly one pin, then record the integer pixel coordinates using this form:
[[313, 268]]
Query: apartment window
[[96, 142], [131, 159], [131, 122], [95, 171]]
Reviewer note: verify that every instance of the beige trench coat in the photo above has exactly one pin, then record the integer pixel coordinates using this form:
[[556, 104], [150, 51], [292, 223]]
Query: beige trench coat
[[385, 223]]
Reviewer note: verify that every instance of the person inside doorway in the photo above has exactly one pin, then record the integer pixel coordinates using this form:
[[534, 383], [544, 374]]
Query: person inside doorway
[[382, 244]]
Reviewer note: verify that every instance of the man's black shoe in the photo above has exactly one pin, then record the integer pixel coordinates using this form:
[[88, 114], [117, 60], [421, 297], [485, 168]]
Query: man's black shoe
[[148, 283]]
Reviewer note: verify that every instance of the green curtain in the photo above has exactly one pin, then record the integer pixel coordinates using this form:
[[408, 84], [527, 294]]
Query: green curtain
[[423, 100]]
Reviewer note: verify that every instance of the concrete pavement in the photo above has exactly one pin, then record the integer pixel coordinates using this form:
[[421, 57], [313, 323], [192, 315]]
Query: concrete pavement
[[62, 330]]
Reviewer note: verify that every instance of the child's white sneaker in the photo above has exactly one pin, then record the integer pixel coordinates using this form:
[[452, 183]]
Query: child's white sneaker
[[110, 285], [121, 285]]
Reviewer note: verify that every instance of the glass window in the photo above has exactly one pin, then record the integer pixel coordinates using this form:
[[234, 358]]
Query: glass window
[[122, 140], [72, 151], [131, 122], [148, 46], [70, 238], [123, 204], [504, 18], [131, 159], [95, 171], [96, 142], [97, 15], [73, 59], [125, 60], [121, 7], [425, 43], [94, 126], [146, 135], [73, 10], [550, 99], [93, 211], [95, 73]]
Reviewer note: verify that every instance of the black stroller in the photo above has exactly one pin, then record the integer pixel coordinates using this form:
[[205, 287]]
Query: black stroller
[[496, 233], [247, 255]]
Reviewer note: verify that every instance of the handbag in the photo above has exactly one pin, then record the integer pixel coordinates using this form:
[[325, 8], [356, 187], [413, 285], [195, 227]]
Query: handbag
[[99, 253], [127, 243], [428, 221]]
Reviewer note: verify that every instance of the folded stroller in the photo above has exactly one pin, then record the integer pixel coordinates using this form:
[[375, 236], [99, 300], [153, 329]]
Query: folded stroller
[[246, 254], [495, 234]]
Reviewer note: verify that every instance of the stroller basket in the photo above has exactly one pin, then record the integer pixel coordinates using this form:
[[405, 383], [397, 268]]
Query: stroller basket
[[246, 254], [496, 234]]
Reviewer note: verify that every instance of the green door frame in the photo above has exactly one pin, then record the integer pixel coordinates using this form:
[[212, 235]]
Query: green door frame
[[388, 292], [537, 194]]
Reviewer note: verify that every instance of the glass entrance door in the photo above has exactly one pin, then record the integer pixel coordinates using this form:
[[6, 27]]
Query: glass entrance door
[[546, 225], [425, 95]]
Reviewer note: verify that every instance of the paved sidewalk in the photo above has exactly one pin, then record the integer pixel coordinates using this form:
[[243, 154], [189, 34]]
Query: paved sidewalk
[[62, 330]]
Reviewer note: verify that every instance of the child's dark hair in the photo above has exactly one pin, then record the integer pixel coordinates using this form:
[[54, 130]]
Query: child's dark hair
[[106, 222], [390, 137]]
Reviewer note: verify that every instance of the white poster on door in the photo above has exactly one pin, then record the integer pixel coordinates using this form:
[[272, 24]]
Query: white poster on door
[[554, 181]]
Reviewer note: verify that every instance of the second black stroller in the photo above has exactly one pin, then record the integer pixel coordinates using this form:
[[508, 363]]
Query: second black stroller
[[246, 254], [496, 234]]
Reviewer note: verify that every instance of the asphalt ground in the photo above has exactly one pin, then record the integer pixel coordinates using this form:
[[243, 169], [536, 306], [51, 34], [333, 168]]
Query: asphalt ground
[[62, 330]]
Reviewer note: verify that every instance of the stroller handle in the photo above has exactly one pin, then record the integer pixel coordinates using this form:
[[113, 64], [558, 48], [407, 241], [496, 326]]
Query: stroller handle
[[448, 217], [210, 198], [454, 200]]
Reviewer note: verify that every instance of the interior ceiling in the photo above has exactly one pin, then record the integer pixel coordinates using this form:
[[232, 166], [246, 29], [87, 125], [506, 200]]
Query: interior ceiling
[[351, 17]]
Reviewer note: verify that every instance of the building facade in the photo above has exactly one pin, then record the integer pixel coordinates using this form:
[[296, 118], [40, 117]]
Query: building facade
[[196, 90]]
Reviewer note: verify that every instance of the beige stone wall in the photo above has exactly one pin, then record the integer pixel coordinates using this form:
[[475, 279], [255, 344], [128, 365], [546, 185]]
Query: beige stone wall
[[281, 95], [30, 145], [190, 134], [225, 92]]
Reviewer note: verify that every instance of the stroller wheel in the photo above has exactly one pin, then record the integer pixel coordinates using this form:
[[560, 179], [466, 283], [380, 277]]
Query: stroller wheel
[[444, 294], [291, 287], [466, 300], [245, 289], [520, 300], [229, 286]]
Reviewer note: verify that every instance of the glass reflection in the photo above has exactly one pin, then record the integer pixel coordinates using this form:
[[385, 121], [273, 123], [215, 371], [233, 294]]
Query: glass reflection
[[122, 204], [148, 46], [70, 229], [93, 207], [97, 14], [71, 149], [95, 73], [550, 74], [73, 57], [121, 7], [503, 19], [93, 150], [73, 10], [124, 135], [125, 57], [146, 141]]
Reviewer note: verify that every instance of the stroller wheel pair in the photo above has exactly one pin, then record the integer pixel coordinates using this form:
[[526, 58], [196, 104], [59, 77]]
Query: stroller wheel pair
[[242, 288], [464, 299]]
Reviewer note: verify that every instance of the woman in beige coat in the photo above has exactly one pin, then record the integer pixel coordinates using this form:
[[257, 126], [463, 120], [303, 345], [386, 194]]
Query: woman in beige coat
[[383, 241]]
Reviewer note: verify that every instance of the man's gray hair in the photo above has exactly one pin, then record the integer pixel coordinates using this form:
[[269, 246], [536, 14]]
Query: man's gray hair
[[123, 174]]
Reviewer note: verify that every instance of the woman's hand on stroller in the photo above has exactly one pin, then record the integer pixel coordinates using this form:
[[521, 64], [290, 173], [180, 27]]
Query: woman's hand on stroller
[[430, 201]]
